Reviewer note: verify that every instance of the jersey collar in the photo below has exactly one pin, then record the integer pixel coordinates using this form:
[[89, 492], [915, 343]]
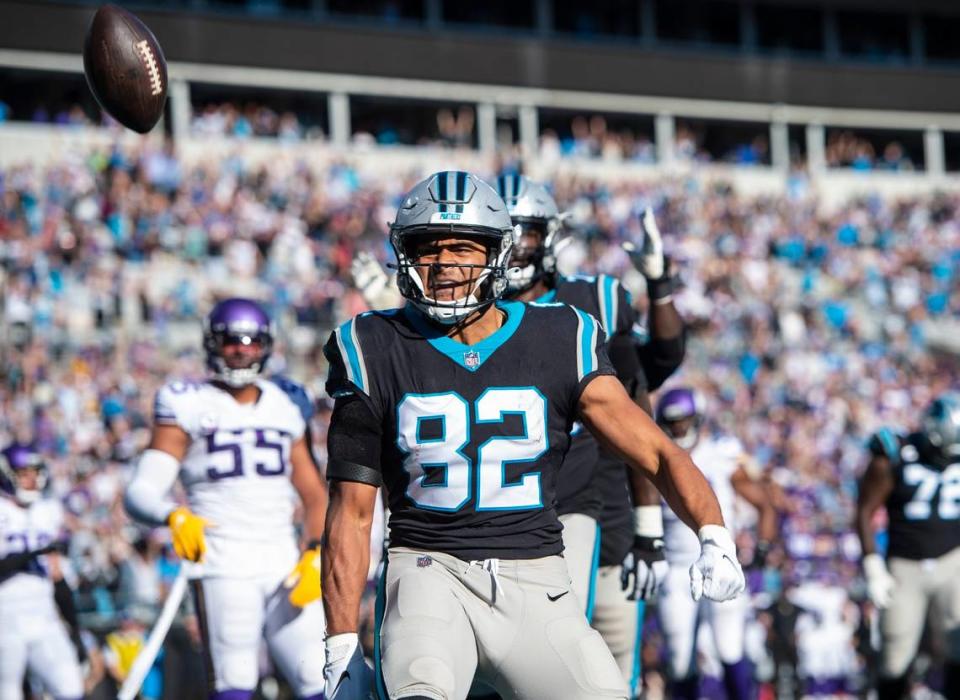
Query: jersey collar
[[546, 298], [470, 357]]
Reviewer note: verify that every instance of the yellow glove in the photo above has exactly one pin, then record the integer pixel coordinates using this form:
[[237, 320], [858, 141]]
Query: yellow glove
[[187, 531], [304, 580]]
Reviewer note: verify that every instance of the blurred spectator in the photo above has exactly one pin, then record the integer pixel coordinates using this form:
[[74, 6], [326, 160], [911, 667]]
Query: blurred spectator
[[808, 324], [251, 119]]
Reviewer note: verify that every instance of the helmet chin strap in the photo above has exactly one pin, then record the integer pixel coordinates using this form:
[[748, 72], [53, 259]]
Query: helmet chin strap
[[689, 439], [456, 311], [520, 279]]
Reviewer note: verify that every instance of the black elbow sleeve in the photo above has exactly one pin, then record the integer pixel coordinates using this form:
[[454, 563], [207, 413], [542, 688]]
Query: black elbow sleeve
[[661, 357]]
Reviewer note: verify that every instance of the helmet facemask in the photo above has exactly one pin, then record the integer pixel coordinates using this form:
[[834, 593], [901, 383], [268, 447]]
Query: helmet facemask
[[11, 475], [486, 282], [530, 264]]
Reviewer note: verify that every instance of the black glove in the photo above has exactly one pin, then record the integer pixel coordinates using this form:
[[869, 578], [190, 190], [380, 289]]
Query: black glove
[[58, 546], [646, 566], [760, 554]]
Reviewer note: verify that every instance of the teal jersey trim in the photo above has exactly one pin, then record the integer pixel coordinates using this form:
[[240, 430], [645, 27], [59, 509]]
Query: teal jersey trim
[[607, 288], [594, 570], [889, 442], [379, 609], [350, 348], [546, 298], [587, 358], [635, 676], [470, 357]]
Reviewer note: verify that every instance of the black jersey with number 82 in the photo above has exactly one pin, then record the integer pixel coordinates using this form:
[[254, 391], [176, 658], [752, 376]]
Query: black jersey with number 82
[[472, 436]]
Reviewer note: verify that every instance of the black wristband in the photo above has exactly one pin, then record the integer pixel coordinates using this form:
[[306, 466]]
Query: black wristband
[[660, 288], [314, 544]]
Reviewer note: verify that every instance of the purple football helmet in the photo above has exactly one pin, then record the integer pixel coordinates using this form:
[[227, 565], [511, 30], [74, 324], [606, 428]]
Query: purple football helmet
[[15, 459], [680, 404], [237, 323]]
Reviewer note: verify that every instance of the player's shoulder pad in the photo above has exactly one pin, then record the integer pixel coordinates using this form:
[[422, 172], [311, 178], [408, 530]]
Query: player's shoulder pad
[[352, 344], [611, 298], [175, 399], [729, 446], [51, 509], [885, 443], [561, 323], [297, 393]]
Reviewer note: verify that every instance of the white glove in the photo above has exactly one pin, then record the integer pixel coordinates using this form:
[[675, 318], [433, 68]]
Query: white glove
[[880, 584], [648, 256], [346, 675], [369, 277], [717, 573]]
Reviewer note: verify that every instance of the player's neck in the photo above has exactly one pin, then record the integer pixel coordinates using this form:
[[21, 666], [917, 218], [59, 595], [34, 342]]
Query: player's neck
[[537, 290], [478, 326], [241, 394]]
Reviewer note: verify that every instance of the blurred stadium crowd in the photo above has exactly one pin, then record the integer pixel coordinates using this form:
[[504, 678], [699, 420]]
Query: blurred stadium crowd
[[807, 332]]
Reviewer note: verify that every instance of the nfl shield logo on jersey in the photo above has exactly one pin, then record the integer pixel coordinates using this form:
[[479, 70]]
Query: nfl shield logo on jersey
[[424, 561], [471, 359]]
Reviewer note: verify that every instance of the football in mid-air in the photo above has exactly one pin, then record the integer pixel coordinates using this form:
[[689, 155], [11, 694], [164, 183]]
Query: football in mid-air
[[125, 68]]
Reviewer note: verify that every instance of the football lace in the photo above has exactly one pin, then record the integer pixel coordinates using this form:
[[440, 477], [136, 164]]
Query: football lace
[[143, 48]]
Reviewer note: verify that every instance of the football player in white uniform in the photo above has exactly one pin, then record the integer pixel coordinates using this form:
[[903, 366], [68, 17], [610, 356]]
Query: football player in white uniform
[[721, 458], [33, 638], [238, 443]]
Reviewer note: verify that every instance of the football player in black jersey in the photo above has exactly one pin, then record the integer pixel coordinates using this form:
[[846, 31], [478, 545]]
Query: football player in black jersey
[[461, 406], [917, 479], [612, 542]]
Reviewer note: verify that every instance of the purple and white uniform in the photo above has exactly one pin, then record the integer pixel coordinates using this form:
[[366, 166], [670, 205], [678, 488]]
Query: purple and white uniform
[[236, 474], [33, 638]]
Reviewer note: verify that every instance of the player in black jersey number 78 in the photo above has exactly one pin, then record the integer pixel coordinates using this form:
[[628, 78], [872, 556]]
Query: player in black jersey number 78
[[461, 406], [917, 479]]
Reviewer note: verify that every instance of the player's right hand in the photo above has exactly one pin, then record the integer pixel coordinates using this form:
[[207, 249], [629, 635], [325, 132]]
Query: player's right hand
[[647, 255], [880, 583], [369, 277], [644, 568], [346, 674], [716, 575], [187, 530]]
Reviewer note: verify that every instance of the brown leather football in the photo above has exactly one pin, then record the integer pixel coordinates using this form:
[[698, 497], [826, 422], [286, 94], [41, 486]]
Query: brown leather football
[[125, 68]]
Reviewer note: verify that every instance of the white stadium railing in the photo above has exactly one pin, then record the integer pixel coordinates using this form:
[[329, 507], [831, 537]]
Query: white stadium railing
[[20, 142]]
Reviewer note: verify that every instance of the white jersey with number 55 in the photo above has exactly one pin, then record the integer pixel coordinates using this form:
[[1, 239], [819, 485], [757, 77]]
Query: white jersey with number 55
[[236, 471]]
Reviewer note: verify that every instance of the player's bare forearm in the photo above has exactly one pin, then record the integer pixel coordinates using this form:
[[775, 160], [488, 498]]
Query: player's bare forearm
[[875, 487], [642, 490], [346, 558], [625, 429], [313, 492]]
